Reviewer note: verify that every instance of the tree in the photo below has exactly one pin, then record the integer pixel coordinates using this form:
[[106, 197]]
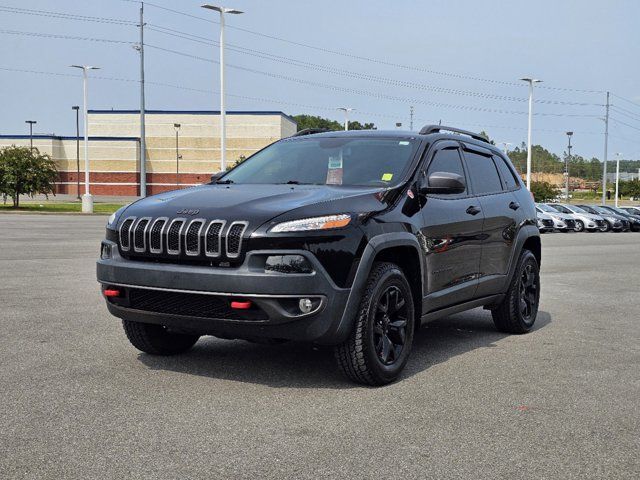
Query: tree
[[543, 191], [630, 188], [311, 121], [25, 172]]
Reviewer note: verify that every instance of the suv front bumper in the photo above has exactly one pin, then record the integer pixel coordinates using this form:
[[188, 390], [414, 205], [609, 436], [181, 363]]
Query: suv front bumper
[[274, 295]]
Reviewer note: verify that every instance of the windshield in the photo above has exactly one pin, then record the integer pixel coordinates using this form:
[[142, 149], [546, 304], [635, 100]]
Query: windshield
[[601, 210], [546, 208], [575, 209], [327, 161]]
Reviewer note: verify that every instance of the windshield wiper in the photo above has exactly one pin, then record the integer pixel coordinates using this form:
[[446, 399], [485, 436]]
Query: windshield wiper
[[293, 182], [224, 182]]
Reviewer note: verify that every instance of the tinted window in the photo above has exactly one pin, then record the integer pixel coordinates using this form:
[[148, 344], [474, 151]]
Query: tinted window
[[483, 173], [447, 160], [508, 179]]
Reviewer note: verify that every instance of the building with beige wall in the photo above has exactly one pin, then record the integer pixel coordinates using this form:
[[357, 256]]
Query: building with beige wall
[[114, 147]]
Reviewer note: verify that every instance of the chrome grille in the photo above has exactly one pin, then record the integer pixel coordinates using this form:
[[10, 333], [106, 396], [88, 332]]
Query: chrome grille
[[155, 235], [192, 237], [139, 235], [125, 233], [173, 236], [234, 238], [213, 238]]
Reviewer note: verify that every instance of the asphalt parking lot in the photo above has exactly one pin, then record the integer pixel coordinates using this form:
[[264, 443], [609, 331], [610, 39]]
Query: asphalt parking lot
[[77, 401]]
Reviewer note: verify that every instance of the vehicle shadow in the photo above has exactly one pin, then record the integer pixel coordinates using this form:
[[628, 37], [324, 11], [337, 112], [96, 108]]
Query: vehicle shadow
[[298, 365]]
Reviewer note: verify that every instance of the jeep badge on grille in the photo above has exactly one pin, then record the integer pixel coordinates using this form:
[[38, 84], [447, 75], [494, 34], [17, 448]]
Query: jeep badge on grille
[[185, 211]]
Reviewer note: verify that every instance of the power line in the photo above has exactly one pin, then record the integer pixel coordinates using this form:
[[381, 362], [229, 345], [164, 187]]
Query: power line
[[66, 16], [64, 37], [622, 111], [627, 100], [625, 124]]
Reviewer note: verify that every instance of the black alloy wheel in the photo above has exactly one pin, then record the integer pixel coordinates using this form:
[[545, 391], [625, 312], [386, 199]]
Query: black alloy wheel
[[390, 327], [528, 290]]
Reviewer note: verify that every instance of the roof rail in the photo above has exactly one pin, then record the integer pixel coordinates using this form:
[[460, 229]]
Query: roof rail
[[309, 131], [427, 129]]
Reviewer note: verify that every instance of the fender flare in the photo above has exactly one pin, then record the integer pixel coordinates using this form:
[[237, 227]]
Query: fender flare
[[525, 233], [376, 245]]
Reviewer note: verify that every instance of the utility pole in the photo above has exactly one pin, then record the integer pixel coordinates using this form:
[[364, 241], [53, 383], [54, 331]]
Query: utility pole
[[617, 176], [77, 109], [566, 168], [411, 117], [143, 143], [177, 127], [31, 123], [606, 141]]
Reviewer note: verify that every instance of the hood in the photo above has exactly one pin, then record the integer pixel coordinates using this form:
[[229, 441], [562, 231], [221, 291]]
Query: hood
[[543, 215], [254, 203], [562, 216]]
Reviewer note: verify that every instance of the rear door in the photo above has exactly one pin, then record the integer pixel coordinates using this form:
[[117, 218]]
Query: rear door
[[451, 233], [499, 206]]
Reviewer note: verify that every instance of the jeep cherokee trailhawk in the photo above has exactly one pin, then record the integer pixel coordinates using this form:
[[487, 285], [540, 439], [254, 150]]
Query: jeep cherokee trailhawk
[[351, 239]]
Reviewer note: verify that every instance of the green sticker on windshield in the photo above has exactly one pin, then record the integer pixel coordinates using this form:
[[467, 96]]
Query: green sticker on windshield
[[387, 177], [403, 143]]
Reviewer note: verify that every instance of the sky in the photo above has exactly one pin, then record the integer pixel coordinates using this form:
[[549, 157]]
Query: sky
[[458, 62]]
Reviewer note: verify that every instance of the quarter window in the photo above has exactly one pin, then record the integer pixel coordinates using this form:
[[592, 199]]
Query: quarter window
[[483, 173], [506, 173]]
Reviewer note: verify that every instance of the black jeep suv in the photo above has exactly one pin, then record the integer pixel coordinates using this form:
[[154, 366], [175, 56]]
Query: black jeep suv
[[351, 239]]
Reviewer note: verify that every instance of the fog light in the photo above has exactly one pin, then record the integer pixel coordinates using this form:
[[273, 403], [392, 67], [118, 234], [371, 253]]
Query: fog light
[[305, 305], [287, 264], [105, 251]]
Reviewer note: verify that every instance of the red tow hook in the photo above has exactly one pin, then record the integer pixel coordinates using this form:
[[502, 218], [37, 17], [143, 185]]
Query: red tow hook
[[244, 305], [111, 292]]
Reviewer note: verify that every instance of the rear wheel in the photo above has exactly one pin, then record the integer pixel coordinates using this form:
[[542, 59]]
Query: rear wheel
[[156, 339], [517, 312], [380, 343]]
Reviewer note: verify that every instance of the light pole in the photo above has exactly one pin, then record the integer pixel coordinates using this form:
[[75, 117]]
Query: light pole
[[618, 155], [87, 199], [177, 127], [346, 111], [77, 109], [566, 168], [223, 125], [531, 81], [31, 123], [505, 147]]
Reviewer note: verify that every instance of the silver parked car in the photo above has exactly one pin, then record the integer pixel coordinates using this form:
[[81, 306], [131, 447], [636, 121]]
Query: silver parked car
[[584, 220], [561, 221], [545, 222]]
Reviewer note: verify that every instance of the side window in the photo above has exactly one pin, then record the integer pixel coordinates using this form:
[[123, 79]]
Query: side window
[[483, 174], [447, 160], [508, 180]]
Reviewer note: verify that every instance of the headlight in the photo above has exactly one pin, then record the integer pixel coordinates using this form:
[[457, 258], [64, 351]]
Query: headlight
[[316, 223], [113, 218]]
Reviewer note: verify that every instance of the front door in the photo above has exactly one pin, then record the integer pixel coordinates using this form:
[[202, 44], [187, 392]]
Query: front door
[[451, 234]]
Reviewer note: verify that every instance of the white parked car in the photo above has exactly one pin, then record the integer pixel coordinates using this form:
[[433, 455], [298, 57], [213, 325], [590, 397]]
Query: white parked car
[[561, 221], [584, 220]]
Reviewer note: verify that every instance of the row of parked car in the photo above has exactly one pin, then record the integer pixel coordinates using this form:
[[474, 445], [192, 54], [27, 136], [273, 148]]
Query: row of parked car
[[564, 217]]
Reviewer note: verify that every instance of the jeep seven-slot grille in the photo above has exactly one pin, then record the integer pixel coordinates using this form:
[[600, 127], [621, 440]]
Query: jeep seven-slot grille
[[163, 238]]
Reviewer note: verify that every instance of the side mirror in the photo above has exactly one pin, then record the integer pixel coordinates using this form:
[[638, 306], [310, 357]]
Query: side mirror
[[444, 183], [216, 176]]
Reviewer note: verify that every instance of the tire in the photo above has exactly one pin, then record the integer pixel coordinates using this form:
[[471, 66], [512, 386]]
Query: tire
[[606, 227], [579, 226], [378, 347], [517, 312], [156, 339]]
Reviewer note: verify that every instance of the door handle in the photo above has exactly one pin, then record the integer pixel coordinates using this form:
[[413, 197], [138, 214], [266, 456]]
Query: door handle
[[514, 205], [473, 210]]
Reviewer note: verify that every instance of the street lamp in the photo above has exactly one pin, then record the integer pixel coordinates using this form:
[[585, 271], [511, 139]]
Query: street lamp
[[87, 199], [398, 125], [618, 155], [346, 111], [177, 127], [223, 125], [77, 109], [531, 81], [505, 147], [566, 168], [31, 123]]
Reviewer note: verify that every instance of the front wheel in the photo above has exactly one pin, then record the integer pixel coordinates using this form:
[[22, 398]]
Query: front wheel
[[517, 312], [379, 345], [156, 339], [606, 227], [579, 226]]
